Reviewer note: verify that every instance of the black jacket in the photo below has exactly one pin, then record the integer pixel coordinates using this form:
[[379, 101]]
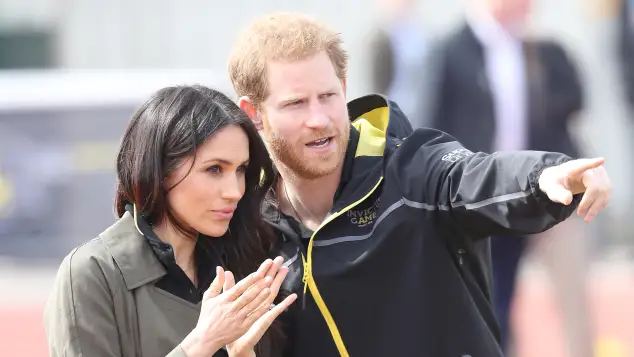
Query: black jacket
[[401, 266], [463, 104], [626, 47]]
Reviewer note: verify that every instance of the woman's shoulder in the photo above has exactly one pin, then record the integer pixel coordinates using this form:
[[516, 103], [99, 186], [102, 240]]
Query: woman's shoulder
[[89, 262], [94, 259]]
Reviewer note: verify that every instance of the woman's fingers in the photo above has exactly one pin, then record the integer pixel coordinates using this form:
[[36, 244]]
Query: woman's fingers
[[216, 286], [279, 279], [275, 287], [230, 282], [262, 323], [249, 310], [275, 266], [235, 290], [250, 294], [264, 268]]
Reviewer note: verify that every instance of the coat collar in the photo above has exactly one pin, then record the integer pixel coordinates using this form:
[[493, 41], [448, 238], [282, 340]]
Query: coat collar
[[132, 253]]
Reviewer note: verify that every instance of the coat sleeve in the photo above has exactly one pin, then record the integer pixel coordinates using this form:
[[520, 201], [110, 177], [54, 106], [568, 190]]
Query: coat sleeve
[[79, 316], [478, 194]]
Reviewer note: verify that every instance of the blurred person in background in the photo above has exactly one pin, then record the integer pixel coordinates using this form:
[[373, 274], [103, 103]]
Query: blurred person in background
[[626, 55], [397, 55], [390, 226], [496, 90], [626, 42], [192, 174]]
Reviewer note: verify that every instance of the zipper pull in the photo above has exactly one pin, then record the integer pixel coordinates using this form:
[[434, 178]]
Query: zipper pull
[[305, 279], [460, 254]]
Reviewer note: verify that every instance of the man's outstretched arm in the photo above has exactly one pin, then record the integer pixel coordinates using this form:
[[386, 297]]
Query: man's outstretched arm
[[504, 193]]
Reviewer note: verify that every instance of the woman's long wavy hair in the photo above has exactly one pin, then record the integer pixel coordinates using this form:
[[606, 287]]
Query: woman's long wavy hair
[[167, 129]]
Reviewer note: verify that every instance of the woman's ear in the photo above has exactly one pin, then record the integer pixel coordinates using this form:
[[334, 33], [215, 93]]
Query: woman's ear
[[247, 106]]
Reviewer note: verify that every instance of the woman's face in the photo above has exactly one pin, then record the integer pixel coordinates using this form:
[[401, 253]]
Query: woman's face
[[207, 197]]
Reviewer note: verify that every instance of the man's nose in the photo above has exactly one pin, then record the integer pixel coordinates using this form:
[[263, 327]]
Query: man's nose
[[318, 118]]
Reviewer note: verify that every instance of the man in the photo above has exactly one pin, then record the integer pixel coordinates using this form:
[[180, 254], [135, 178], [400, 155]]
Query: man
[[387, 226], [397, 52], [496, 90], [626, 48]]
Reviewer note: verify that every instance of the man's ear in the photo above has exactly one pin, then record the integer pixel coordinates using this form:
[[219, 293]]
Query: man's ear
[[247, 106]]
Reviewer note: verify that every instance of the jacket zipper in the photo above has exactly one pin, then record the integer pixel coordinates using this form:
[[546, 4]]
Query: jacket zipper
[[309, 281], [461, 253]]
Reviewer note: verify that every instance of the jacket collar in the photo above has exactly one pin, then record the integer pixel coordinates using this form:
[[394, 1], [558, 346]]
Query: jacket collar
[[378, 120], [377, 124], [132, 253]]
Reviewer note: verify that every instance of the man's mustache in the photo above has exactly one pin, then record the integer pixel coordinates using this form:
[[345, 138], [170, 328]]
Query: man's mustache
[[317, 135]]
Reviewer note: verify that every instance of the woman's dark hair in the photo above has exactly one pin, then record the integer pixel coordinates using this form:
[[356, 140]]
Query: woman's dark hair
[[165, 130]]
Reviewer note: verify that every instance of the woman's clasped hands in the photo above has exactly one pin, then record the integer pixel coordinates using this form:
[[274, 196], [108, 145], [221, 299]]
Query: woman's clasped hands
[[237, 315]]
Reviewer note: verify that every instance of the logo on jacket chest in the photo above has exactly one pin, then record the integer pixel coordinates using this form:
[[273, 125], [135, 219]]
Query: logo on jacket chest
[[364, 215]]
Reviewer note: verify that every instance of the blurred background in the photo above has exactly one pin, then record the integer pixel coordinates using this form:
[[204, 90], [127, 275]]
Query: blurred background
[[73, 71]]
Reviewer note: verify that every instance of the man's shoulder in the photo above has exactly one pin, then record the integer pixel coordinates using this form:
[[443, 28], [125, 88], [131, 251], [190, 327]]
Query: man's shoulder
[[547, 46], [421, 161], [270, 208], [430, 140]]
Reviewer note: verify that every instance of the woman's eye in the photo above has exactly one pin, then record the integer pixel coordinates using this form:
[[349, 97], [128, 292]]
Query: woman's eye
[[242, 168], [214, 169]]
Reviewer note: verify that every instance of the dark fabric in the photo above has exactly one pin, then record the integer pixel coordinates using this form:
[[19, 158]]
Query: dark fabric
[[381, 61], [403, 263], [348, 161], [626, 48], [506, 253], [464, 104]]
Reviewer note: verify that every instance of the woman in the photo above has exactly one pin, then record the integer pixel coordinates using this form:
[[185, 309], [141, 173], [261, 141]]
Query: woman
[[192, 173]]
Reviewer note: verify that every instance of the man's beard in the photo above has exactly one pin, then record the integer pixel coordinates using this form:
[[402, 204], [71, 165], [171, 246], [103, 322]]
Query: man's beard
[[292, 156]]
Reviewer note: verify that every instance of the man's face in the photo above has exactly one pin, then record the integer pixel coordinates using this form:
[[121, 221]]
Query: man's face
[[512, 14], [305, 116]]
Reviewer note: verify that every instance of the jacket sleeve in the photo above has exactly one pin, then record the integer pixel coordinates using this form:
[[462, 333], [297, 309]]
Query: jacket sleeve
[[476, 193], [79, 316]]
